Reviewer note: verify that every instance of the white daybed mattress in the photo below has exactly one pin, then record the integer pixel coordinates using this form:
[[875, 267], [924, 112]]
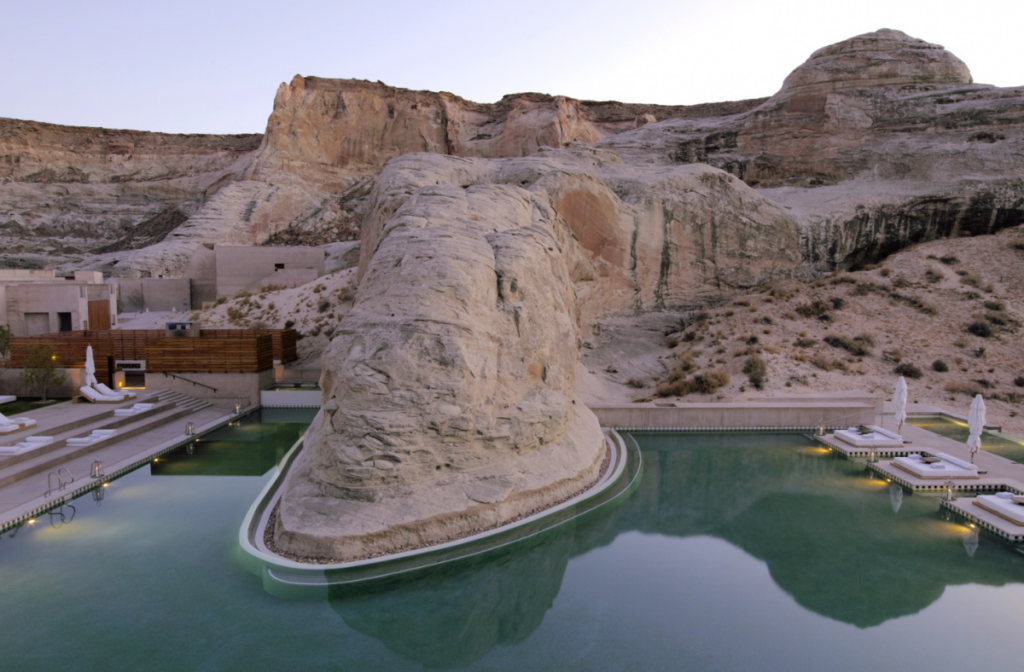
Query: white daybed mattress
[[949, 467], [1002, 507], [878, 438]]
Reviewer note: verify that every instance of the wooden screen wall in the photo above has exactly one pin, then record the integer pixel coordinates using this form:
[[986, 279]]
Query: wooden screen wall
[[210, 355]]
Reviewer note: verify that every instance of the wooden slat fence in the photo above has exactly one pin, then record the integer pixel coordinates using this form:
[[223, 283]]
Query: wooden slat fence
[[210, 355]]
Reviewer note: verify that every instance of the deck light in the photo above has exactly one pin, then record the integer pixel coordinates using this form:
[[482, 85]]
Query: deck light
[[31, 521], [190, 428], [950, 493], [96, 470]]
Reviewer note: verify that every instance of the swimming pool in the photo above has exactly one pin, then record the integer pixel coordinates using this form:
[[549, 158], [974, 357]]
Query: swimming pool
[[737, 551], [993, 442]]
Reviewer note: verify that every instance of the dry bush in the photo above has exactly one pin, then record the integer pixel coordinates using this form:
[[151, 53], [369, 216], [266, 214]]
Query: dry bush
[[827, 364], [805, 342], [885, 272], [757, 371], [900, 281], [895, 356], [970, 279], [702, 383], [816, 308], [741, 302], [908, 370], [979, 328], [997, 306], [962, 388], [933, 276], [858, 345], [635, 383], [940, 366], [671, 342]]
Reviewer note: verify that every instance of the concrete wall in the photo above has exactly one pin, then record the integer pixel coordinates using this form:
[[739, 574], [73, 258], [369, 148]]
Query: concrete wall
[[10, 383], [737, 415], [291, 398], [138, 294], [228, 385], [242, 267], [40, 293], [202, 271]]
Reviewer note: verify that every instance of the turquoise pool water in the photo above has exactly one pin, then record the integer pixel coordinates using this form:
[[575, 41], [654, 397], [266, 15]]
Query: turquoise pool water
[[999, 444], [736, 552]]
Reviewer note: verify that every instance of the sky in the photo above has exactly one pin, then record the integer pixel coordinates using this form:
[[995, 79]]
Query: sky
[[213, 66]]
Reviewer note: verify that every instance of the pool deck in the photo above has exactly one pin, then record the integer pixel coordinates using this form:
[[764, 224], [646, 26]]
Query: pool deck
[[25, 493]]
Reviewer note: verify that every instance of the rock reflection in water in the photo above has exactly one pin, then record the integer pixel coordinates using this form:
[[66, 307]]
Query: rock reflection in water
[[455, 616]]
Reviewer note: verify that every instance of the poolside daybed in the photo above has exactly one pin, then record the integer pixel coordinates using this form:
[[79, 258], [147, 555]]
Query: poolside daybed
[[1003, 506], [103, 389], [95, 436], [30, 443], [136, 408], [11, 425], [876, 438], [945, 468]]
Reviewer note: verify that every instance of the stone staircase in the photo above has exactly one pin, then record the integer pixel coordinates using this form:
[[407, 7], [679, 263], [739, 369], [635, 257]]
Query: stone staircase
[[169, 406]]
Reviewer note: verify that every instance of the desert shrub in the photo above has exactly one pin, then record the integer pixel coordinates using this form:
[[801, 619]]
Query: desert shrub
[[635, 383], [971, 296], [705, 383], [766, 320], [913, 302], [961, 388], [885, 272], [752, 340], [838, 303], [242, 294], [1019, 381], [288, 324], [804, 342], [866, 339], [985, 383], [671, 342], [979, 328], [997, 306], [900, 281], [932, 276], [259, 324], [827, 364], [940, 366], [1017, 245], [999, 319], [741, 302], [689, 336], [949, 259], [220, 300], [323, 305], [971, 280], [816, 308], [345, 294], [908, 370], [895, 356], [856, 346], [757, 371]]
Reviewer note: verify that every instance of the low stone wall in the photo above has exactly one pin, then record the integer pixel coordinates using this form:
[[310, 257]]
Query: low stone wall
[[737, 415], [228, 385]]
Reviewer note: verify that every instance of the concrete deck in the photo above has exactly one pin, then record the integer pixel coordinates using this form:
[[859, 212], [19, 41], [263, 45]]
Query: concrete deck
[[25, 497]]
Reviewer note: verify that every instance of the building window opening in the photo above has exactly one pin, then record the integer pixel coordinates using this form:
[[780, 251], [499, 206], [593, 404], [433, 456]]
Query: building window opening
[[64, 320]]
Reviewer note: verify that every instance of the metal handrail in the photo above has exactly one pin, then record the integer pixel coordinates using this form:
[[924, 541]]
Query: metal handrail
[[174, 375], [62, 483]]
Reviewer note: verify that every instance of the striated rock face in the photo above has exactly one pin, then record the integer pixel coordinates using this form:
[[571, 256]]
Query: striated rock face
[[449, 388], [66, 190], [874, 143], [449, 402]]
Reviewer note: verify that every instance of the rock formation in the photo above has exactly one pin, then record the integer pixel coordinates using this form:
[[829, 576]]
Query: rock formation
[[493, 235]]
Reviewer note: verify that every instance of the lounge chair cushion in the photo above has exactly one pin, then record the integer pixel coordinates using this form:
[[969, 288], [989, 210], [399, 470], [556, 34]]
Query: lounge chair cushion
[[948, 467], [878, 438], [1006, 509], [97, 398]]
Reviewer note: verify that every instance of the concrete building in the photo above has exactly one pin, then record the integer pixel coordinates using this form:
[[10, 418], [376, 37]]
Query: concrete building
[[34, 302], [223, 270]]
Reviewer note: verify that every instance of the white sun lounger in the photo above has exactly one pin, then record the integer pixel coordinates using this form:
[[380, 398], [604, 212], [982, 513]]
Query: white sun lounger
[[20, 422], [1005, 508], [878, 438], [948, 467], [7, 398], [103, 389], [98, 398], [137, 408], [96, 435], [30, 443]]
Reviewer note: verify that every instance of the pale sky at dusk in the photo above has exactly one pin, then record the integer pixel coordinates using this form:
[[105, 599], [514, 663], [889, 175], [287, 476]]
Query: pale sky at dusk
[[213, 66]]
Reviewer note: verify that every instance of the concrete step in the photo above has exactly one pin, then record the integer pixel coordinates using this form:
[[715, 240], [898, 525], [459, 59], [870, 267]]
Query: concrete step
[[39, 463]]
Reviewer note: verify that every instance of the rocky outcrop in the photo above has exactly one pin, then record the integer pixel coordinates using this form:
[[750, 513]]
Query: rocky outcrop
[[449, 400], [874, 143], [67, 190]]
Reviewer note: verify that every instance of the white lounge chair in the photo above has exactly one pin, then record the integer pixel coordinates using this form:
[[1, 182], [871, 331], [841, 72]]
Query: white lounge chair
[[1003, 505], [103, 389], [137, 408], [7, 398], [30, 443], [98, 398], [946, 468], [21, 422], [877, 438]]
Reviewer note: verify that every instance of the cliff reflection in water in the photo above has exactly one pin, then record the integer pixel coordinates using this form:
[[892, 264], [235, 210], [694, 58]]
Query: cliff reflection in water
[[828, 534]]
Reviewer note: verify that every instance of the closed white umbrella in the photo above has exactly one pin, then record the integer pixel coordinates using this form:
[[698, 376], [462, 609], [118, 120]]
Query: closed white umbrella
[[90, 367], [899, 400], [976, 425], [895, 497]]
